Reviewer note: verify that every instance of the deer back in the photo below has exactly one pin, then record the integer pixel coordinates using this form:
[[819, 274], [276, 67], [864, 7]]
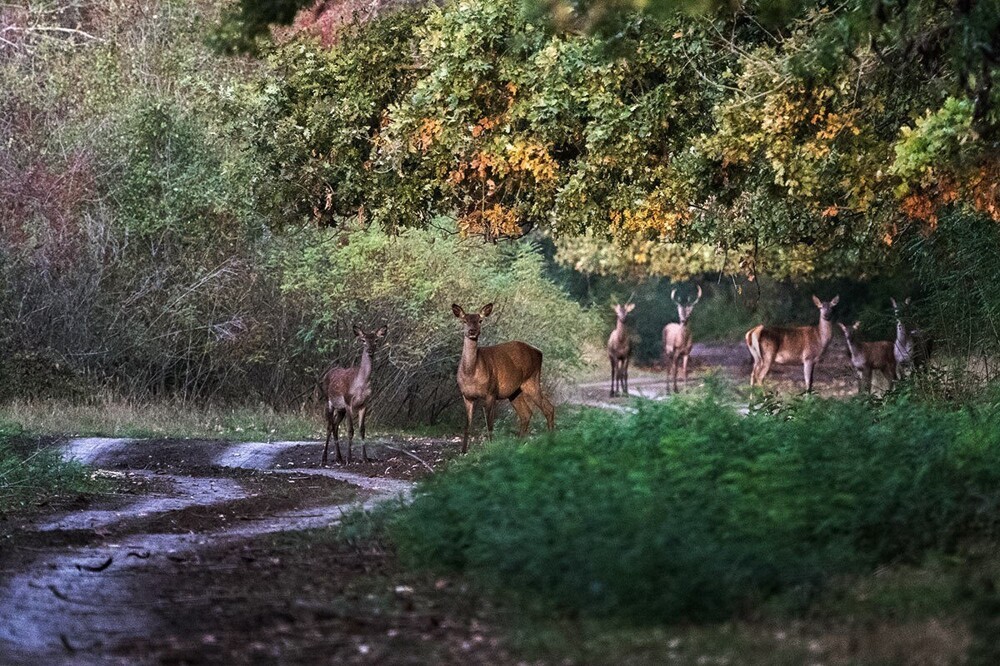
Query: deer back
[[879, 354], [791, 344], [338, 384], [500, 370]]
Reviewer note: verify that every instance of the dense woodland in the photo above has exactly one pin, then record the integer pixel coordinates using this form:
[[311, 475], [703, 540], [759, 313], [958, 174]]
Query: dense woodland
[[199, 199]]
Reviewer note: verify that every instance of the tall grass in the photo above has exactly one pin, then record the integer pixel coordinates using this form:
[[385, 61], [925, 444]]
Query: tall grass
[[688, 511], [116, 417]]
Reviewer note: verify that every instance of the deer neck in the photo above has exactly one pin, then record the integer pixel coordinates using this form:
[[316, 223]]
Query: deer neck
[[825, 331], [902, 337], [470, 350], [620, 331], [365, 367]]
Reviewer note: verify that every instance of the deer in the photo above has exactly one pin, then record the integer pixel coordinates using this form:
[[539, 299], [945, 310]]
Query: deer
[[868, 356], [347, 393], [911, 348], [787, 345], [677, 338], [620, 350], [507, 371]]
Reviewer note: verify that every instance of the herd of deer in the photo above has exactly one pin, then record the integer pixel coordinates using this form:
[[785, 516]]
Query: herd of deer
[[513, 370], [784, 345]]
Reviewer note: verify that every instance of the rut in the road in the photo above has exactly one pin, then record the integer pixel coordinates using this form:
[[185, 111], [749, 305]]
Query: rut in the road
[[70, 602]]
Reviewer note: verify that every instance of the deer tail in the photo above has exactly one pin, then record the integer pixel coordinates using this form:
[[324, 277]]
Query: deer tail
[[753, 342]]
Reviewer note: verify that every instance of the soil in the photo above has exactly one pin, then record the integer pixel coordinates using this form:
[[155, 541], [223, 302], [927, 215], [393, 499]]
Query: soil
[[99, 578]]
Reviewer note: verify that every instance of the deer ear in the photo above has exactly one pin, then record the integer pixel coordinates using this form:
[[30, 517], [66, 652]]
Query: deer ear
[[629, 307], [907, 301], [894, 305], [836, 299], [380, 333], [487, 310], [357, 331], [856, 325], [818, 303], [458, 311]]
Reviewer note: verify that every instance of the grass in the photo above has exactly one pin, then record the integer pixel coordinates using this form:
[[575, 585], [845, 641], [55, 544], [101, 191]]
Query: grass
[[122, 418], [686, 511], [31, 476]]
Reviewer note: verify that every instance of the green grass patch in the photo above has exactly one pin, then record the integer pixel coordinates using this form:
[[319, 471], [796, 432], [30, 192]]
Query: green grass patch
[[125, 418], [30, 476], [689, 511]]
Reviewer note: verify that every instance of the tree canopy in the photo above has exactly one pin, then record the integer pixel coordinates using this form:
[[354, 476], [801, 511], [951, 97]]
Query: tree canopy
[[797, 138]]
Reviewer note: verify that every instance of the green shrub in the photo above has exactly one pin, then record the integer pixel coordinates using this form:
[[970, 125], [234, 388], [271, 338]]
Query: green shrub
[[687, 510]]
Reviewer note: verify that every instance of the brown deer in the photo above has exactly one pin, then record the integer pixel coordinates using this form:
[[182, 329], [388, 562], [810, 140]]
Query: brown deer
[[868, 356], [508, 371], [620, 350], [677, 338], [791, 344], [347, 392], [912, 348]]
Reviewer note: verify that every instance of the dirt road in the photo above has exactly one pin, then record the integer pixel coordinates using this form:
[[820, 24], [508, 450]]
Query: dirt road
[[82, 585]]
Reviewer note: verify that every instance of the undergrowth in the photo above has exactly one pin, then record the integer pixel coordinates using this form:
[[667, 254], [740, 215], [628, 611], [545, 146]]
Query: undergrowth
[[30, 476], [688, 511]]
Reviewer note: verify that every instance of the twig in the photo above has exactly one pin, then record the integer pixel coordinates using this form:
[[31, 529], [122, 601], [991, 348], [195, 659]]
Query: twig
[[419, 460]]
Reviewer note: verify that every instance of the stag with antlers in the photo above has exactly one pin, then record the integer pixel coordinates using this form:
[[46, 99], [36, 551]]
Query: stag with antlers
[[677, 341]]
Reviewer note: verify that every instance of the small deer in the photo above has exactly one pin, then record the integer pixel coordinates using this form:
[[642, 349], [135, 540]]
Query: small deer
[[868, 356], [677, 338], [347, 392], [912, 348], [508, 371], [791, 344], [620, 350]]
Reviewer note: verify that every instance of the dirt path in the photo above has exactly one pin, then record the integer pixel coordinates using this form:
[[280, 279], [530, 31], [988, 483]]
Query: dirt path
[[77, 603], [729, 361]]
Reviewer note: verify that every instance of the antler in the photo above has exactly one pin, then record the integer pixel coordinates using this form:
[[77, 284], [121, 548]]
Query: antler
[[673, 296], [698, 297]]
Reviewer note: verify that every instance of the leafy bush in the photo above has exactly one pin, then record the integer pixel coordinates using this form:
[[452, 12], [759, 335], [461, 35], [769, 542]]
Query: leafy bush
[[687, 510]]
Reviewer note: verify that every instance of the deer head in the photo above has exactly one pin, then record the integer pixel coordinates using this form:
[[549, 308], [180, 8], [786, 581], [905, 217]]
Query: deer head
[[622, 311], [684, 309], [473, 322], [369, 341], [850, 332], [826, 307]]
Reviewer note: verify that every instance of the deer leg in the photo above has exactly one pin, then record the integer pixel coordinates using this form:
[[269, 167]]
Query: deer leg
[[350, 435], [523, 410], [673, 370], [329, 431], [765, 367], [490, 409], [624, 373], [807, 371], [890, 376], [868, 380], [362, 415], [470, 406], [338, 416], [614, 375], [533, 389], [684, 368]]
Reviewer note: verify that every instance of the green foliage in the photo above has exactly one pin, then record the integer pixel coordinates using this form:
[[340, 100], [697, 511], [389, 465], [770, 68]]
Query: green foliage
[[687, 510], [936, 139], [409, 282], [30, 476]]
